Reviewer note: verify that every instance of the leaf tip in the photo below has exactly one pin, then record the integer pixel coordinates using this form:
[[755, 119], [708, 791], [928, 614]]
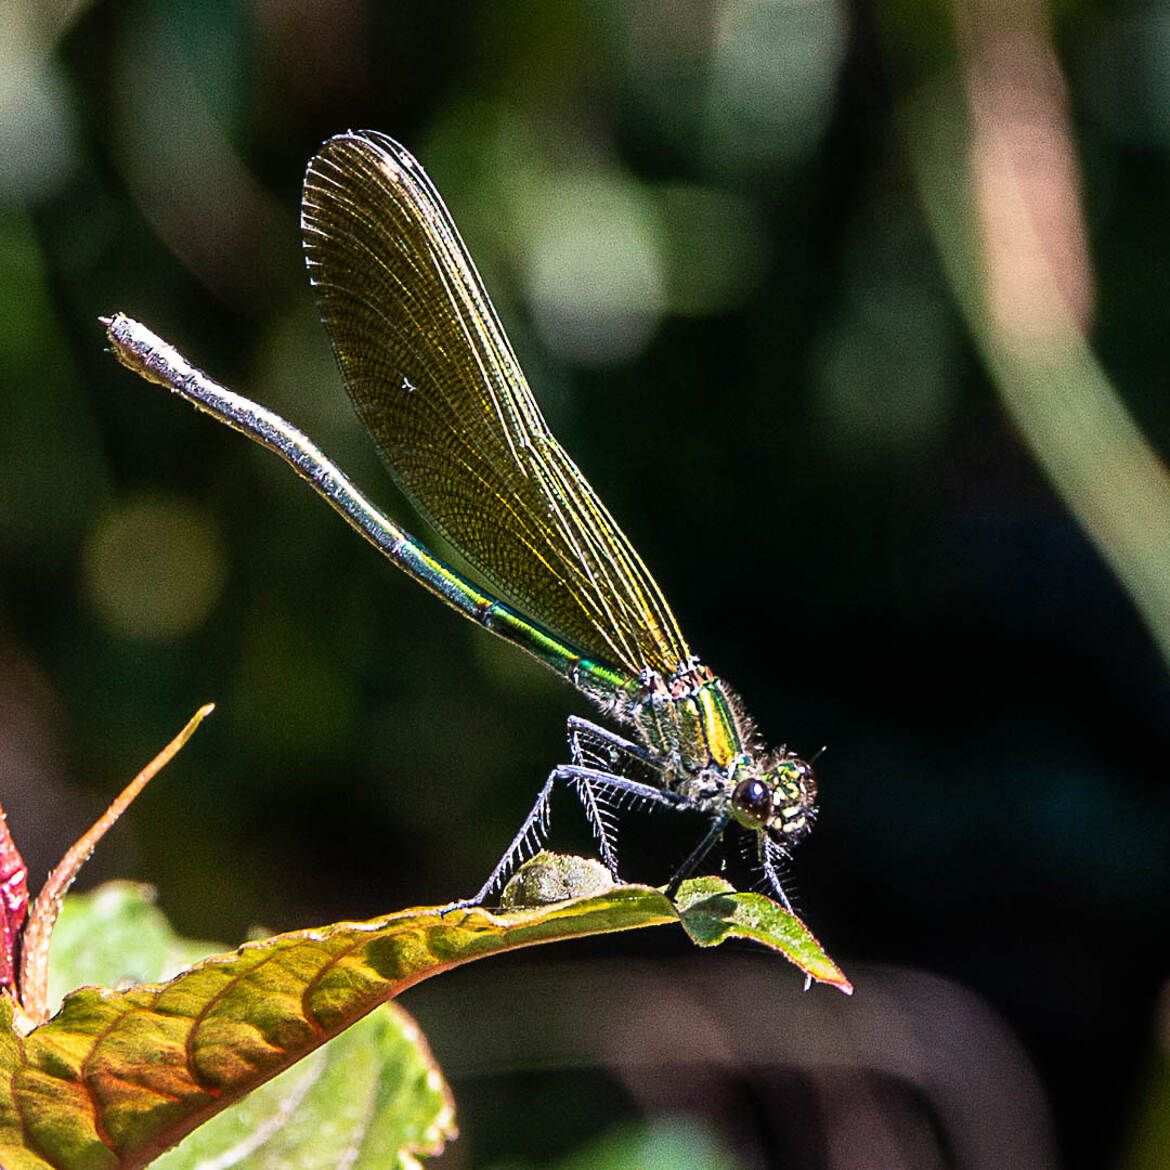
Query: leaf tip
[[837, 980]]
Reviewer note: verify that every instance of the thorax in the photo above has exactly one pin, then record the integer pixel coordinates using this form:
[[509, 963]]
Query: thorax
[[692, 722]]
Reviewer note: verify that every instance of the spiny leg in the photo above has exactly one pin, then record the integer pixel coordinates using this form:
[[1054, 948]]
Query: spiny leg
[[598, 748], [769, 853], [587, 740], [535, 825], [601, 820]]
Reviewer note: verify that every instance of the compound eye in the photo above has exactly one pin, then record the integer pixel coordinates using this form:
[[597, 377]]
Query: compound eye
[[752, 803]]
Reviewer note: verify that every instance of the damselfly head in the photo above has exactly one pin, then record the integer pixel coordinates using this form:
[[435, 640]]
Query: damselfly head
[[779, 798], [795, 800]]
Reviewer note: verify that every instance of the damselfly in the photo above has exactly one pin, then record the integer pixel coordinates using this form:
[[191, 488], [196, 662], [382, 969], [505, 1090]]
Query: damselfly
[[435, 380]]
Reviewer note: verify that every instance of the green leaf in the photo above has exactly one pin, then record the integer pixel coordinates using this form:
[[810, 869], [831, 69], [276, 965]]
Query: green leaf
[[119, 1076], [711, 911], [374, 1091], [114, 937], [373, 1095], [711, 915], [371, 1099], [662, 1143]]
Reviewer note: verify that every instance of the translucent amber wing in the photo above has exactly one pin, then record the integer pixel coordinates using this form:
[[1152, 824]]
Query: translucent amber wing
[[435, 380]]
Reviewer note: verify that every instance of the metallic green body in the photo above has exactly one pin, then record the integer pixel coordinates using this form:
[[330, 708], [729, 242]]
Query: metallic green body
[[434, 378]]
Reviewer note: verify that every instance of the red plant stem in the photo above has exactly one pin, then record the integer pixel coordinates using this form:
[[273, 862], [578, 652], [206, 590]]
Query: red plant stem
[[34, 974], [13, 903]]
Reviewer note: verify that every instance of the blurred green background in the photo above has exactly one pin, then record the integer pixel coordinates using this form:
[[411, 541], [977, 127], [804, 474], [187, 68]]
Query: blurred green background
[[802, 286]]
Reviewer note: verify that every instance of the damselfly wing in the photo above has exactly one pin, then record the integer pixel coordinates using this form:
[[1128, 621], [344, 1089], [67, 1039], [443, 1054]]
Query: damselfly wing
[[435, 380]]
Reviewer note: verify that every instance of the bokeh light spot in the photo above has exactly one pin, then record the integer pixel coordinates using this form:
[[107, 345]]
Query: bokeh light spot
[[772, 79], [154, 566], [594, 269]]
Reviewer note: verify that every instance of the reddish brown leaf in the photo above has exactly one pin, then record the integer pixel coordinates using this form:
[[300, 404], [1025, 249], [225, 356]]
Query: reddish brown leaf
[[116, 1077]]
